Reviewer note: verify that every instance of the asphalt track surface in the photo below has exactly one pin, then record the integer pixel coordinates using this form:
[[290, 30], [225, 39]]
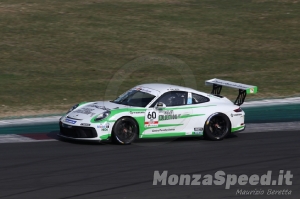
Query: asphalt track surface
[[60, 169]]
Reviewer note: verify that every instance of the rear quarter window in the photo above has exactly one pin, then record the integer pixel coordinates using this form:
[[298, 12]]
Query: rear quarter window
[[198, 99]]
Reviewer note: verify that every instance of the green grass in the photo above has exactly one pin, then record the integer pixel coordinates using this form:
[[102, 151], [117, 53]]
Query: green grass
[[56, 53]]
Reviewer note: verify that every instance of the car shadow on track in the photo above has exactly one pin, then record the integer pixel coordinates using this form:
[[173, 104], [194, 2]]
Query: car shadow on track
[[54, 135], [153, 141]]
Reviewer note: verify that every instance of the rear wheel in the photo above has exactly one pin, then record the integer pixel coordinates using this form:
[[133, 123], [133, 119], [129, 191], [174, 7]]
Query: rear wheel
[[125, 131], [217, 126]]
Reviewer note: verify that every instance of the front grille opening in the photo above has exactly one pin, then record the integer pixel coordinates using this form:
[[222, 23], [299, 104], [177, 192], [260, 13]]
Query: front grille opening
[[78, 132]]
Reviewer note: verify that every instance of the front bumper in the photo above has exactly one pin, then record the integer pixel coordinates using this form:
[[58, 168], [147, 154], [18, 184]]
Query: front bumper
[[77, 132]]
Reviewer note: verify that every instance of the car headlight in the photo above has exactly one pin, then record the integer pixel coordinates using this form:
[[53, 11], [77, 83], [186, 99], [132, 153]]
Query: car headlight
[[102, 115], [73, 108]]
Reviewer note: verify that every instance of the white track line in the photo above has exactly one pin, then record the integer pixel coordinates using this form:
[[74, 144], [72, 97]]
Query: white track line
[[25, 121], [12, 138], [272, 102], [267, 127]]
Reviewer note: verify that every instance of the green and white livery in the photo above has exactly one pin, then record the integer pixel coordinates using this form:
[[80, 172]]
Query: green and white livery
[[158, 111]]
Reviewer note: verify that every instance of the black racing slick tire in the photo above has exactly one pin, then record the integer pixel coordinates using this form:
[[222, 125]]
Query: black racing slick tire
[[217, 126], [125, 131]]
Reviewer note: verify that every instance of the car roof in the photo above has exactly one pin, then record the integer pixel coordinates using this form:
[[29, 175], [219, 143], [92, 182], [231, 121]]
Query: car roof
[[162, 88]]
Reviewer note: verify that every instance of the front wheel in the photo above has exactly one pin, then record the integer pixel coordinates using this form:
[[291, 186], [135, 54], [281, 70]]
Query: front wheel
[[217, 126], [125, 131]]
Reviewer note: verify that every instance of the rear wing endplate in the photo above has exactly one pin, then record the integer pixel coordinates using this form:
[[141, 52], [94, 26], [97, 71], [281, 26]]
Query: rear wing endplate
[[244, 89]]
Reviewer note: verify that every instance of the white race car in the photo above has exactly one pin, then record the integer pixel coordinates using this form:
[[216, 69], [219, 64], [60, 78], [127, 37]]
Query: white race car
[[158, 111]]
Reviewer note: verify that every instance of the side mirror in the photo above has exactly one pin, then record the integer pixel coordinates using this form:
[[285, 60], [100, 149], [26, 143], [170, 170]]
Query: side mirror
[[160, 105]]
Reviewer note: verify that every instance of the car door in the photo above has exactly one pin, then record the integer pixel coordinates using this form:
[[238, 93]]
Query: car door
[[169, 121]]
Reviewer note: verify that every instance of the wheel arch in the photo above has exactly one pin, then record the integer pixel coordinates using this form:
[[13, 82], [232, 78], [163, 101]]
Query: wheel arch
[[213, 114], [126, 116]]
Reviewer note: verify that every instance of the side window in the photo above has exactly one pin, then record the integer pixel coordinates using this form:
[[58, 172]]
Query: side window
[[140, 99], [197, 99], [172, 98]]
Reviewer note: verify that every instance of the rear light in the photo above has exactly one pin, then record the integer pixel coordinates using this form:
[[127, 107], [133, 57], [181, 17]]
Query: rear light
[[238, 110]]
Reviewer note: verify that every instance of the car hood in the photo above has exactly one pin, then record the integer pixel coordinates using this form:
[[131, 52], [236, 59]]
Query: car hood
[[92, 109]]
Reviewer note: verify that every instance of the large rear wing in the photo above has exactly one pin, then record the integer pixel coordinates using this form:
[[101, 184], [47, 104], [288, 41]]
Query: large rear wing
[[244, 89]]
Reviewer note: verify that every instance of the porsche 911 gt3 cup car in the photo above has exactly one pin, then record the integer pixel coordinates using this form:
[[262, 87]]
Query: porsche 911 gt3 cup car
[[157, 111]]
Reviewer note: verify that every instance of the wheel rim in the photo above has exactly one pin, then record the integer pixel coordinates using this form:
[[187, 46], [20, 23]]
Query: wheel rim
[[218, 126], [126, 131]]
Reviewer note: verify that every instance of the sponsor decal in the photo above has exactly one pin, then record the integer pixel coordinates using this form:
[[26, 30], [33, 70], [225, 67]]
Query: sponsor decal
[[85, 111], [166, 112], [99, 107], [161, 130], [198, 131], [151, 123], [230, 84], [251, 90], [85, 124], [239, 114], [136, 112], [143, 90], [169, 117], [103, 126], [70, 121]]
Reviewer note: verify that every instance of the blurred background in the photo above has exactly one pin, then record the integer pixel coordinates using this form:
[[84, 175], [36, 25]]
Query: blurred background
[[54, 54]]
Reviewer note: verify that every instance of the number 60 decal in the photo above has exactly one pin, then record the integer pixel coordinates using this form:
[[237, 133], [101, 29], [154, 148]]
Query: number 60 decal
[[151, 115], [151, 118]]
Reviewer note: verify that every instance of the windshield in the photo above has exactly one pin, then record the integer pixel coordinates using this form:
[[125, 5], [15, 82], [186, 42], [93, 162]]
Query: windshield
[[134, 98]]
